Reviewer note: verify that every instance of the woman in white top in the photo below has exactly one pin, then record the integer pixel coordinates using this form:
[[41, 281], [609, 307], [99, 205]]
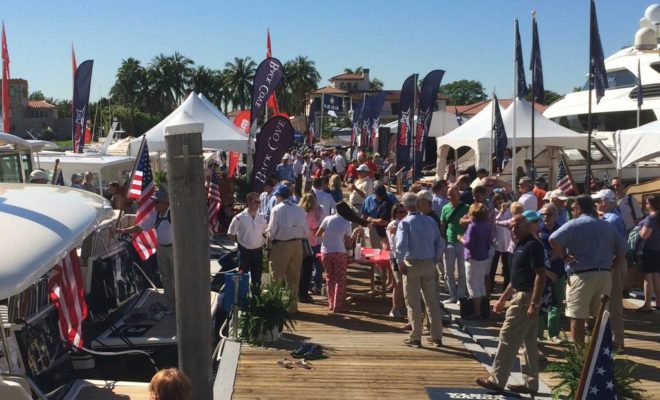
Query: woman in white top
[[313, 215], [505, 243], [398, 306], [336, 234]]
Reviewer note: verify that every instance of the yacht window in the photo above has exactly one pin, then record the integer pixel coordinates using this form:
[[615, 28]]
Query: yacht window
[[606, 122], [656, 67], [617, 79], [579, 157]]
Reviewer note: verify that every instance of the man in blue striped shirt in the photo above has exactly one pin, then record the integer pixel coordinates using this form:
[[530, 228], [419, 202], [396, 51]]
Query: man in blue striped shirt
[[418, 246]]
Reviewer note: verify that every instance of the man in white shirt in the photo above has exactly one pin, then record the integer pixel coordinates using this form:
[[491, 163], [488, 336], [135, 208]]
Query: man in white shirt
[[324, 198], [327, 162], [340, 164], [360, 189], [631, 211], [297, 173], [247, 229], [286, 229], [160, 219], [527, 197]]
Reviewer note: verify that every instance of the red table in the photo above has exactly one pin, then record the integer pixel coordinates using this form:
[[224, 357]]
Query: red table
[[382, 262]]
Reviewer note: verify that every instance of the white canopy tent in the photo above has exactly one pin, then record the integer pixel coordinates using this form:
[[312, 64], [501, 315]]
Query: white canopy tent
[[441, 123], [476, 133], [637, 144], [219, 133]]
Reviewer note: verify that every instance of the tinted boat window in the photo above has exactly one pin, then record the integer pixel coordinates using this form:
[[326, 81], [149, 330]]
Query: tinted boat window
[[606, 122], [617, 79]]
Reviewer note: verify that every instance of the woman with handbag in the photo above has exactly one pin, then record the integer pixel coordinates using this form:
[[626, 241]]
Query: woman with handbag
[[313, 214], [336, 235]]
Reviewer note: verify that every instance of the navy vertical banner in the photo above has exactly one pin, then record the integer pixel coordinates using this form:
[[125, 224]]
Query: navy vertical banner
[[521, 82], [366, 123], [501, 140], [404, 134], [274, 140], [267, 78], [377, 103], [537, 67], [597, 56], [81, 87], [357, 115], [311, 121], [427, 98]]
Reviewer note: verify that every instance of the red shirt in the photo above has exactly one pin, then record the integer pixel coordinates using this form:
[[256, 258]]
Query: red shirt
[[351, 172], [540, 194], [372, 167]]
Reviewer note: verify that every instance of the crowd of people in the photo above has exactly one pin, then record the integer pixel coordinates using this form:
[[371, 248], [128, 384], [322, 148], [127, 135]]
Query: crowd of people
[[456, 237]]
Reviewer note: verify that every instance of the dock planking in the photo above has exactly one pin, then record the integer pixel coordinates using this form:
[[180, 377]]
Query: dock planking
[[366, 358]]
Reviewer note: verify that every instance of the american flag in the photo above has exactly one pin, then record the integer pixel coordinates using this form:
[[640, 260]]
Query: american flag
[[600, 382], [459, 118], [564, 180], [214, 202], [142, 188], [66, 291]]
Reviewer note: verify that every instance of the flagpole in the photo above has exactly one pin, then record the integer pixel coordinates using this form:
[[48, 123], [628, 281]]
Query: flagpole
[[579, 393], [413, 131], [130, 180], [492, 131], [639, 111], [590, 80], [515, 96], [533, 170]]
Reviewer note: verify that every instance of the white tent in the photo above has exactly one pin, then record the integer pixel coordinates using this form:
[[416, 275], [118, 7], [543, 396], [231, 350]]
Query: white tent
[[441, 123], [637, 144], [476, 132], [219, 133]]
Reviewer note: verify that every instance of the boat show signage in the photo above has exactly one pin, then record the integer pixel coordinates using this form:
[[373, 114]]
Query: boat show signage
[[81, 87], [267, 78], [405, 122], [274, 140], [427, 98]]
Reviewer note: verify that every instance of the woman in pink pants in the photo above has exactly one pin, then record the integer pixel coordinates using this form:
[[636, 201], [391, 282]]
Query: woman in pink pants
[[336, 236]]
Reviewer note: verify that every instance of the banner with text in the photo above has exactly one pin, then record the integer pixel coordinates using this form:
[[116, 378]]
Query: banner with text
[[355, 127], [274, 140], [81, 87], [267, 78], [311, 121], [427, 98], [377, 103], [405, 122]]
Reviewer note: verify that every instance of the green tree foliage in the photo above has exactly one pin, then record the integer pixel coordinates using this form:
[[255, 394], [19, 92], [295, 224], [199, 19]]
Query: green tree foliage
[[550, 96], [238, 78], [300, 78], [38, 95], [376, 84], [463, 92], [355, 71]]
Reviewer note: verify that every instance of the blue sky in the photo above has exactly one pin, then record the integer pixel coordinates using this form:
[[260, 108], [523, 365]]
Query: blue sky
[[469, 39]]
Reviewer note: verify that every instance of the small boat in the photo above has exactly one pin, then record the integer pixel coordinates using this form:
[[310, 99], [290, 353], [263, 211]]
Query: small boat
[[41, 225]]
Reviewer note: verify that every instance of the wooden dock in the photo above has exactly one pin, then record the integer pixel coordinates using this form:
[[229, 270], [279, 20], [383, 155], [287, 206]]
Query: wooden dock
[[366, 357]]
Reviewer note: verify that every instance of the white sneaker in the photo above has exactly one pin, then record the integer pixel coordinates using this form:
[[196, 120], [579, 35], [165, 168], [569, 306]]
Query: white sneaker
[[450, 300]]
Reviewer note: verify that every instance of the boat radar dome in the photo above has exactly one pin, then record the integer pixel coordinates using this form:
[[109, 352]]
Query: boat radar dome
[[646, 39], [652, 13]]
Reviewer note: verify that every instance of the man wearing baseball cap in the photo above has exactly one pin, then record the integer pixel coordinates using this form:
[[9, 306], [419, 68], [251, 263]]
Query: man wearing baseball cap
[[606, 204], [558, 198], [590, 249], [286, 229], [360, 189], [285, 170]]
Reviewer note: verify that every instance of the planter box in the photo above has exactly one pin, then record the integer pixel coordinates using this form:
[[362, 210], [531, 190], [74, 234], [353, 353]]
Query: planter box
[[271, 336]]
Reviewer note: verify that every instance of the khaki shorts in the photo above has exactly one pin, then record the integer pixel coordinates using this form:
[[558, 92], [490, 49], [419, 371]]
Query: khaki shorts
[[583, 293]]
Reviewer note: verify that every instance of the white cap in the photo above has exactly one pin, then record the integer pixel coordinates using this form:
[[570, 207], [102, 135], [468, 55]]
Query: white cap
[[605, 194], [38, 174], [363, 168], [559, 194], [425, 195], [286, 156]]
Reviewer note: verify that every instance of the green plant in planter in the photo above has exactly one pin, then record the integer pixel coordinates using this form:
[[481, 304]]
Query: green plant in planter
[[569, 372], [241, 188], [266, 311]]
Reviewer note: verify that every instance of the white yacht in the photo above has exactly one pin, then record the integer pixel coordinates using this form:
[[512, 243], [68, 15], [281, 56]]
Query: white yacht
[[617, 110]]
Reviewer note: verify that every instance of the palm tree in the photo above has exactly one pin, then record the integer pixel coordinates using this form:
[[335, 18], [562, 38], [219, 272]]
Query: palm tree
[[301, 78], [220, 95], [238, 80], [129, 86], [202, 81], [355, 71], [182, 70], [376, 84]]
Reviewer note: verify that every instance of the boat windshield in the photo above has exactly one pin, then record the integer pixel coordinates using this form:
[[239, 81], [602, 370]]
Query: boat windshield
[[11, 163], [576, 157], [616, 79]]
